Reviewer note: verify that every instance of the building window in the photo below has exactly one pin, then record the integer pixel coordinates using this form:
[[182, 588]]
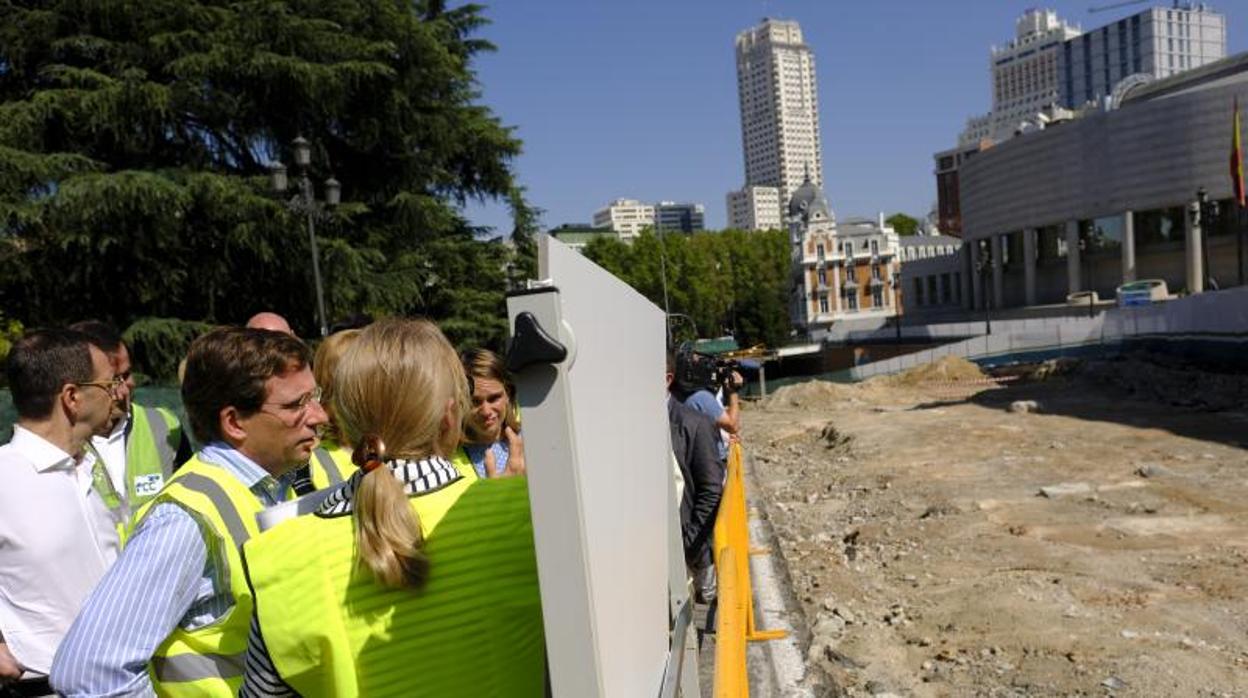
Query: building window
[[849, 249], [918, 291], [875, 272], [819, 250], [875, 248], [851, 300], [823, 302], [877, 296], [946, 292], [823, 277], [849, 273], [1159, 226], [931, 290]]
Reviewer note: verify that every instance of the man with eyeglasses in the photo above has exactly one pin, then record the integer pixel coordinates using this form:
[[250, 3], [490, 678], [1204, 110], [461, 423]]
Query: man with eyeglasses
[[143, 445], [172, 616], [56, 534]]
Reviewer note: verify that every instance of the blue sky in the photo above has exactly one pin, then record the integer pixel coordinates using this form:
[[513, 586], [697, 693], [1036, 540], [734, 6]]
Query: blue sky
[[638, 99]]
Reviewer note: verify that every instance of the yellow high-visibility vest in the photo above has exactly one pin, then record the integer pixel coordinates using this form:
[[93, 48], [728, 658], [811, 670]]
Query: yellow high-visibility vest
[[208, 661], [331, 630], [463, 464], [151, 449], [331, 464]]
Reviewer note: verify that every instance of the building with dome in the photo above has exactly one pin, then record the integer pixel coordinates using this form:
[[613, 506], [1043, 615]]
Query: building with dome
[[841, 271]]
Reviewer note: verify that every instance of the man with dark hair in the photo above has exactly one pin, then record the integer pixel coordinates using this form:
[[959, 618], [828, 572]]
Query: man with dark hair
[[172, 615], [56, 534], [144, 445], [693, 443]]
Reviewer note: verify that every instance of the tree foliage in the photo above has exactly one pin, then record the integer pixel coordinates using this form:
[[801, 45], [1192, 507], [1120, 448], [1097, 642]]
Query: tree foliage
[[732, 282], [903, 224], [135, 139]]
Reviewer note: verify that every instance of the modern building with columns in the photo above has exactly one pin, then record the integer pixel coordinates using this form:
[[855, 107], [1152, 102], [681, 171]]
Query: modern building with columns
[[1094, 202], [931, 273]]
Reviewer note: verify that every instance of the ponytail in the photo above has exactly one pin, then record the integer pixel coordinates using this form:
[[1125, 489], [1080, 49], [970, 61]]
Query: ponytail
[[387, 534]]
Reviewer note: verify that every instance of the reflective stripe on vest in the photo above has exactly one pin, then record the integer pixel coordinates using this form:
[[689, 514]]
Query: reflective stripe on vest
[[225, 507], [197, 667], [160, 435], [328, 464]]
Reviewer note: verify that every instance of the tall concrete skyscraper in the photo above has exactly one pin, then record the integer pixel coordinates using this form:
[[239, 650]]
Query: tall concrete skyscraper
[[779, 115]]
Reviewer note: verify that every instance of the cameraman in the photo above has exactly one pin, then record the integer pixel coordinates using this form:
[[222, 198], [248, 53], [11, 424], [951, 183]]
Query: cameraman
[[697, 395]]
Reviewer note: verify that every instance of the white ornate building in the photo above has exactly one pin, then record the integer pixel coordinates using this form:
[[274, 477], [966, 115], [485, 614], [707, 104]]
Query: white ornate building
[[840, 270]]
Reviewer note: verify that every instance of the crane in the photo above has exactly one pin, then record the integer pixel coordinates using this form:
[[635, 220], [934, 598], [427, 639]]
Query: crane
[[1102, 8]]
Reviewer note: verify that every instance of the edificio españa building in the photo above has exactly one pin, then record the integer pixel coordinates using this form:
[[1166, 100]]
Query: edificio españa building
[[779, 121]]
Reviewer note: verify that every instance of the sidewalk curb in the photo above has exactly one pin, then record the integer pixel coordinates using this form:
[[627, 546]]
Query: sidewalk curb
[[776, 667]]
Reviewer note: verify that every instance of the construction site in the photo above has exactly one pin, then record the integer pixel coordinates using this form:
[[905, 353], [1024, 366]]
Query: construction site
[[1067, 527]]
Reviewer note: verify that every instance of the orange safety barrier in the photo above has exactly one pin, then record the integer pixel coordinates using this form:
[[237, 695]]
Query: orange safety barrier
[[735, 617]]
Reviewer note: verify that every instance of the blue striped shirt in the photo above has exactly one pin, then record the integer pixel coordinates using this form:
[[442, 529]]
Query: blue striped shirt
[[169, 575]]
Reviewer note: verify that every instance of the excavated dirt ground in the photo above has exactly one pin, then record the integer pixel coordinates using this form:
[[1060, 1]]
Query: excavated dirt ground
[[909, 514]]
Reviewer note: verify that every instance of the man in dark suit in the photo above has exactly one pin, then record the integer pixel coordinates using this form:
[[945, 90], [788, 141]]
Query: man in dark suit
[[693, 442]]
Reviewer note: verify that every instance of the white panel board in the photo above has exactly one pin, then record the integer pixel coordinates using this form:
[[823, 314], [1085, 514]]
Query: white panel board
[[601, 515]]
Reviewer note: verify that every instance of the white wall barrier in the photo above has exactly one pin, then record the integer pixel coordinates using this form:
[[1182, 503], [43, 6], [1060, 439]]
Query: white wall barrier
[[1218, 313]]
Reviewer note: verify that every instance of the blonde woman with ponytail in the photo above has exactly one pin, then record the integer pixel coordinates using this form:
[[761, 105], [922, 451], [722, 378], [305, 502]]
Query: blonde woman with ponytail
[[392, 585]]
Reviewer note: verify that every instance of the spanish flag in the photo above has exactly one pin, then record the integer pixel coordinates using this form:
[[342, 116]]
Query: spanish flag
[[1237, 160]]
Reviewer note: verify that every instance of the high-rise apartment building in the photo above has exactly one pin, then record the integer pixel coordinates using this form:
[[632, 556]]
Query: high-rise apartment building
[[1050, 64], [754, 208], [671, 217], [628, 217], [1024, 75], [1156, 43], [779, 110]]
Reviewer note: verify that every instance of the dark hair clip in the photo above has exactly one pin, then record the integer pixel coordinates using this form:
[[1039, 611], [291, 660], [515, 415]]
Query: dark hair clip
[[369, 454]]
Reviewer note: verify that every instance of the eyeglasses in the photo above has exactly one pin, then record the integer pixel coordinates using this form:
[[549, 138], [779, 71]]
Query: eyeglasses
[[297, 407], [109, 386]]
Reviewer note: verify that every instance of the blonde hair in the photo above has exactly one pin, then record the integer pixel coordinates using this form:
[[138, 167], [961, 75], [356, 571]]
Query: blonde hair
[[401, 384], [328, 355]]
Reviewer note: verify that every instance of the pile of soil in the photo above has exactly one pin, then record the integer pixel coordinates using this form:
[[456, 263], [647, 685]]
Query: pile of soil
[[947, 369], [812, 395]]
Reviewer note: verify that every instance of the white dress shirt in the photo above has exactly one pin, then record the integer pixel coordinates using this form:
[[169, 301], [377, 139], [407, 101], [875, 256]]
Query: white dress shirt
[[112, 449], [56, 541]]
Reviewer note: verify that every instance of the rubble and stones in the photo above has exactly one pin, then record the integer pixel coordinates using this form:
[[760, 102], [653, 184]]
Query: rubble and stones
[[927, 565]]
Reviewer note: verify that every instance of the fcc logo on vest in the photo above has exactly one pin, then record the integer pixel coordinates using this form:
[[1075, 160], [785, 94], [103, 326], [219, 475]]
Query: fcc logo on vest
[[147, 485]]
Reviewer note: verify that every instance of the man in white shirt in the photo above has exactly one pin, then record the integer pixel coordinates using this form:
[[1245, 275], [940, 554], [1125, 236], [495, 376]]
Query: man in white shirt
[[142, 446], [56, 535]]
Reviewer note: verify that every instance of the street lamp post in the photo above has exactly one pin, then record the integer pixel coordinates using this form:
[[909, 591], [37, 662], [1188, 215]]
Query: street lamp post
[[984, 266], [681, 316], [1085, 251], [1208, 215], [897, 303], [305, 202]]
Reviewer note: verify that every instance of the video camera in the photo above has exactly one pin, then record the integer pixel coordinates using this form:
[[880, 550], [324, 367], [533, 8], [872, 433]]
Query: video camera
[[696, 371]]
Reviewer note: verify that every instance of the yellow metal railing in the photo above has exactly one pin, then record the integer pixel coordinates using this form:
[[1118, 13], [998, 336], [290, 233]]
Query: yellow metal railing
[[734, 625]]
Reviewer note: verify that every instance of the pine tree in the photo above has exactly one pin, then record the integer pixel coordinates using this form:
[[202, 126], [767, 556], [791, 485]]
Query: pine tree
[[135, 139]]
